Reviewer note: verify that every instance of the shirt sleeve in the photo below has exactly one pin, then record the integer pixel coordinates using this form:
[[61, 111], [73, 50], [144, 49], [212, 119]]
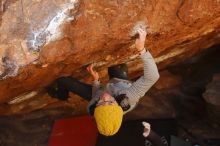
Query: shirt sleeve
[[145, 82], [95, 87]]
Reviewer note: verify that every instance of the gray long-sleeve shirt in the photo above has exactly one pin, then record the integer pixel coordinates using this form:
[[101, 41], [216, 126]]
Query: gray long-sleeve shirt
[[134, 91]]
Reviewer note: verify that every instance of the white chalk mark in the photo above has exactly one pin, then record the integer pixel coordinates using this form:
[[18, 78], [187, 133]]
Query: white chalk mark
[[23, 97], [52, 31], [169, 55]]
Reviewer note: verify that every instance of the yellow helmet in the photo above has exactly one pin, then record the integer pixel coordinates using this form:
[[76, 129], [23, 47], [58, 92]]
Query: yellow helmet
[[108, 119]]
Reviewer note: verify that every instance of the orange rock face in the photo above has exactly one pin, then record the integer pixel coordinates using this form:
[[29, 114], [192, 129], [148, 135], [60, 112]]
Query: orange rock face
[[41, 39]]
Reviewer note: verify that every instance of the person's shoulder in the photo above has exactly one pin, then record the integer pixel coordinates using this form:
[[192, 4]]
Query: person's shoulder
[[117, 80]]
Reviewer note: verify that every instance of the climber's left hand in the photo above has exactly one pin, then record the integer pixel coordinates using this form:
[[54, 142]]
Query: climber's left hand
[[140, 41]]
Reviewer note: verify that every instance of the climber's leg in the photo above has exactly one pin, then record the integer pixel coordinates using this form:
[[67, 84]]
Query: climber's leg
[[118, 71], [66, 84]]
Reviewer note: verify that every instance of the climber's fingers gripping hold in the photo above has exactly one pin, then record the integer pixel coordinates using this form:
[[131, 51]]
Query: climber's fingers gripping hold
[[93, 72], [142, 34], [140, 42]]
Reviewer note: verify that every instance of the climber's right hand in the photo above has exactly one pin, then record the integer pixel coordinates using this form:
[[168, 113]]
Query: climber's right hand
[[93, 72]]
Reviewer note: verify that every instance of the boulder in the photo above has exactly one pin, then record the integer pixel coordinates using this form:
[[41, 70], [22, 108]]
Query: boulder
[[212, 93], [212, 98], [168, 80]]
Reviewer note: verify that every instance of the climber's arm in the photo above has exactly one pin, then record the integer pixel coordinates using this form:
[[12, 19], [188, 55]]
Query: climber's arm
[[95, 75], [151, 74]]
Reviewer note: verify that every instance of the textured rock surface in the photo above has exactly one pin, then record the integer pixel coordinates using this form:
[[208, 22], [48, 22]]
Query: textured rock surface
[[156, 104], [167, 80], [41, 39], [212, 97], [212, 94]]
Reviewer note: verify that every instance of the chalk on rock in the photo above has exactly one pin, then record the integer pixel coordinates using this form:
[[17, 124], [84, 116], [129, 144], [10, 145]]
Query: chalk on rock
[[139, 24], [10, 68]]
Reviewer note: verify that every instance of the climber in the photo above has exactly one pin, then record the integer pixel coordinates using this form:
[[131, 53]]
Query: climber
[[119, 96]]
